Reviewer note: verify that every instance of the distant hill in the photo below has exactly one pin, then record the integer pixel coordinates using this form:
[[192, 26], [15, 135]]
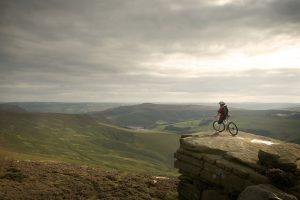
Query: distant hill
[[255, 105], [280, 124], [147, 114], [85, 140], [11, 108], [296, 108], [60, 107], [263, 106]]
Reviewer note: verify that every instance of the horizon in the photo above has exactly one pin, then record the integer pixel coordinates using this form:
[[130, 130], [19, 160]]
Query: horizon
[[150, 51], [64, 107], [119, 102]]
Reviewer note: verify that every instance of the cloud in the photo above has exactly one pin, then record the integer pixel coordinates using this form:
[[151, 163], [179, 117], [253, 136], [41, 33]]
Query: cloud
[[158, 50]]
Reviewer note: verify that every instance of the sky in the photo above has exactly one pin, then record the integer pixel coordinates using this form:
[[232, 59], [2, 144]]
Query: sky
[[150, 51]]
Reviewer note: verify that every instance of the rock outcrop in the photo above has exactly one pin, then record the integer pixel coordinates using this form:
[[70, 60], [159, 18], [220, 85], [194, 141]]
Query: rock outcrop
[[221, 167], [264, 191]]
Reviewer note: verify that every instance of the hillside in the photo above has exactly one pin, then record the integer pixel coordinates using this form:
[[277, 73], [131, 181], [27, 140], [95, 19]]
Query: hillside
[[44, 180], [84, 140], [147, 114], [280, 124], [61, 107], [296, 108], [11, 108]]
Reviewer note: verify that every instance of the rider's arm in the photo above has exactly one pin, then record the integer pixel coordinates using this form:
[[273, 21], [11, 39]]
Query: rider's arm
[[219, 113]]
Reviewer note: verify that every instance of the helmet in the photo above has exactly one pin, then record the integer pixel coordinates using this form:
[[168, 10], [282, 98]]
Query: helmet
[[222, 103]]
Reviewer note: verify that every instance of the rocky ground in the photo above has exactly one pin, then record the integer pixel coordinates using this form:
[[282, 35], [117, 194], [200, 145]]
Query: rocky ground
[[40, 180], [221, 167]]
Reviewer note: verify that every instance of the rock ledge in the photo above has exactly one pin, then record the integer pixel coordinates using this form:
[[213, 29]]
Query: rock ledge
[[221, 167]]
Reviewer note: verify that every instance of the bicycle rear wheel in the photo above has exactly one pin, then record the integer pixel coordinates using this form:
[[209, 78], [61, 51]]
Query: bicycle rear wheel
[[218, 127], [233, 129]]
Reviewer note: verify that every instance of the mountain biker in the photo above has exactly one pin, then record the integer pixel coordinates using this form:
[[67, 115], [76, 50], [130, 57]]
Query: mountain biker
[[222, 112], [223, 123]]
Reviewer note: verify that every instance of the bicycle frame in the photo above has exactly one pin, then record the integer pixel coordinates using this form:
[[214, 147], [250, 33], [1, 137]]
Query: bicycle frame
[[228, 126]]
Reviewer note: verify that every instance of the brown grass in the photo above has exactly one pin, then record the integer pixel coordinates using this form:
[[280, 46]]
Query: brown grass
[[3, 158], [40, 180]]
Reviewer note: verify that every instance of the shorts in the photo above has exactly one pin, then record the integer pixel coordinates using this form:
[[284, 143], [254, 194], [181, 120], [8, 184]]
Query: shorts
[[221, 119]]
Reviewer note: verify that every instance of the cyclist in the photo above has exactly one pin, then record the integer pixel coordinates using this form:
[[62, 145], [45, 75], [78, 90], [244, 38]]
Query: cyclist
[[222, 112]]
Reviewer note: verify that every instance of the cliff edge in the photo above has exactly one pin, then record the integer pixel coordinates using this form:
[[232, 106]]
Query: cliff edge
[[226, 167]]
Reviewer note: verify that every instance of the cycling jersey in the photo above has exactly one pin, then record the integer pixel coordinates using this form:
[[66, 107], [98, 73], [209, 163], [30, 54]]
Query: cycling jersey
[[221, 111]]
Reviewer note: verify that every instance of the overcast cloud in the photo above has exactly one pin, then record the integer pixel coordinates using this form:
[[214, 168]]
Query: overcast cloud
[[150, 51]]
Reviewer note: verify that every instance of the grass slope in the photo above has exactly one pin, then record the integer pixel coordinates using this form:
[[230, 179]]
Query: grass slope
[[84, 140]]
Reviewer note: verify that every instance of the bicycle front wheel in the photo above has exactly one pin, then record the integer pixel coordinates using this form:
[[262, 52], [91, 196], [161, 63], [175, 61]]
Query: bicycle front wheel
[[218, 127], [233, 129]]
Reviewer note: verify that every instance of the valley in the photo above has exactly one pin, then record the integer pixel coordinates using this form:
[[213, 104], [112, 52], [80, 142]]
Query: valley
[[82, 139]]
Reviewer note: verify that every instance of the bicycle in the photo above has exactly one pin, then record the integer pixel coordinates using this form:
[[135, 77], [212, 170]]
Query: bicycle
[[226, 124]]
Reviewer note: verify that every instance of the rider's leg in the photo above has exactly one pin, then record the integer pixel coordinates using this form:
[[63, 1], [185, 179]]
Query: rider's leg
[[220, 121]]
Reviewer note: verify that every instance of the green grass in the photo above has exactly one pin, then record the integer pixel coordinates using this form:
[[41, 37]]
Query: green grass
[[82, 139]]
